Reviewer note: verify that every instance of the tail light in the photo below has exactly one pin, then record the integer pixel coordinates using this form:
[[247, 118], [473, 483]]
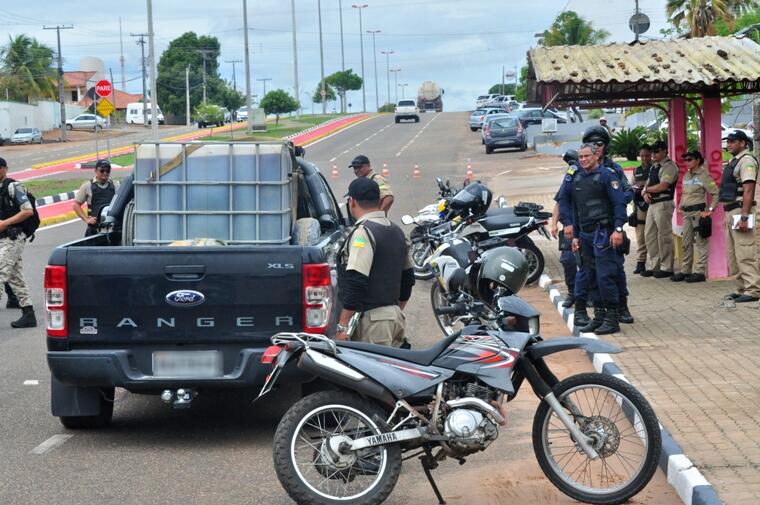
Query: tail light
[[270, 354], [519, 128], [317, 297], [56, 301], [486, 130]]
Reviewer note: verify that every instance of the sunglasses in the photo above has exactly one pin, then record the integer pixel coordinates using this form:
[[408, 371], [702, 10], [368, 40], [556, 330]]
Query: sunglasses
[[104, 171], [689, 159]]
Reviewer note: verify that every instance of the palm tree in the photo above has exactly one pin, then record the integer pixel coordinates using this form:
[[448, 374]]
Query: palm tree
[[26, 70], [699, 16], [569, 29]]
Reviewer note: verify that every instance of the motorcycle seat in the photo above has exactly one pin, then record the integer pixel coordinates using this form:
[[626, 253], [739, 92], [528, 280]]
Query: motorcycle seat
[[422, 357], [498, 219]]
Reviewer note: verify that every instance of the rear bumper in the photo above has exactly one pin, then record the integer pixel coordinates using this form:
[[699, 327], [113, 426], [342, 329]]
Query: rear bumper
[[118, 368], [505, 141]]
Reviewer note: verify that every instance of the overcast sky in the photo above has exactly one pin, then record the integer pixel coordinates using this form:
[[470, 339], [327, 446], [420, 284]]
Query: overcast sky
[[459, 44]]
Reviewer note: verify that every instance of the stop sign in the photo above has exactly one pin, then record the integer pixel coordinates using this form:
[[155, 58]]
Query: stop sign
[[103, 88]]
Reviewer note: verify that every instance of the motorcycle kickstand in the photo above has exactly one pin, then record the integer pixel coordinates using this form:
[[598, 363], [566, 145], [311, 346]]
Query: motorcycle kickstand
[[429, 463]]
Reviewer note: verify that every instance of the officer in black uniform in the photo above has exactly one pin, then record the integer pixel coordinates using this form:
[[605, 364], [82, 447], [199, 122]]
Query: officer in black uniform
[[375, 271], [96, 193]]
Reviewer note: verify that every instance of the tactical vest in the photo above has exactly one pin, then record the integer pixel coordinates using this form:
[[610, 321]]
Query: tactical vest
[[654, 179], [101, 197], [730, 188], [389, 254], [641, 173], [591, 200]]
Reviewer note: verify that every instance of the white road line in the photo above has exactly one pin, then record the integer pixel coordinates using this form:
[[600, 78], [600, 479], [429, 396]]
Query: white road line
[[360, 143], [504, 172], [415, 137], [31, 382], [51, 443], [339, 131], [45, 228], [47, 174]]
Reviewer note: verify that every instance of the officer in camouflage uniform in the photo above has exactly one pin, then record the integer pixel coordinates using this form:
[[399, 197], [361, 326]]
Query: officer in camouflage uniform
[[375, 271], [697, 184], [14, 209], [362, 168], [737, 193]]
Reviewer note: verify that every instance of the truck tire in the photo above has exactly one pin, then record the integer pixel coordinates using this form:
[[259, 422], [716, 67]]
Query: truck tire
[[306, 232], [397, 120], [417, 119], [100, 420], [489, 150], [128, 224]]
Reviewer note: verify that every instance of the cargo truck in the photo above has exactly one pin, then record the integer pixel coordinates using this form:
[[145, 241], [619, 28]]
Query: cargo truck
[[430, 97]]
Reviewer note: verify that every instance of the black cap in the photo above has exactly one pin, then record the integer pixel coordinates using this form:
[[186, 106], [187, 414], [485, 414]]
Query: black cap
[[694, 154], [103, 164], [739, 135], [359, 161], [660, 145], [3, 164], [363, 190]]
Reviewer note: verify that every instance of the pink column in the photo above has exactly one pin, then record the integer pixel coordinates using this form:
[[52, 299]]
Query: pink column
[[713, 152], [677, 142]]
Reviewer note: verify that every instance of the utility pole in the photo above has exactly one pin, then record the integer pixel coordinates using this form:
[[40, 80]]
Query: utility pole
[[264, 82], [204, 52], [374, 55], [636, 38], [395, 81], [234, 83], [295, 55], [58, 29], [141, 42], [502, 79], [187, 95], [247, 68], [403, 87], [323, 92], [152, 62], [342, 52], [121, 58], [361, 48], [388, 71]]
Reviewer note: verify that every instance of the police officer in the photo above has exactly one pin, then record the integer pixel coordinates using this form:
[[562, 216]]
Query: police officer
[[737, 193], [362, 168], [640, 177], [97, 193], [566, 257], [375, 271], [658, 193], [598, 217], [15, 208], [696, 185]]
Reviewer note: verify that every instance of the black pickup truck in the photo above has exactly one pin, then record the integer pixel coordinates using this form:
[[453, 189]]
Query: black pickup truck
[[174, 321]]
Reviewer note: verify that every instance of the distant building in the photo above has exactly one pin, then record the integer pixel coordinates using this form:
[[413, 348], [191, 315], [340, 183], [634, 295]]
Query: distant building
[[76, 84]]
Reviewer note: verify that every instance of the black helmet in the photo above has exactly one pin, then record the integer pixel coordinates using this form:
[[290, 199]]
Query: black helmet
[[504, 267], [476, 197], [103, 164], [571, 157], [596, 133]]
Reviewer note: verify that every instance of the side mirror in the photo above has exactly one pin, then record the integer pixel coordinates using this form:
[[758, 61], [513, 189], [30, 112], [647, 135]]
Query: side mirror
[[327, 223], [407, 219], [300, 152]]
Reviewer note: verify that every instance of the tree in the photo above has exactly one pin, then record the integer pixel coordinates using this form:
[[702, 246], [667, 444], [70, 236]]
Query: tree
[[342, 82], [231, 99], [278, 102], [329, 97], [569, 29], [697, 18], [26, 69], [746, 20], [502, 89], [521, 92]]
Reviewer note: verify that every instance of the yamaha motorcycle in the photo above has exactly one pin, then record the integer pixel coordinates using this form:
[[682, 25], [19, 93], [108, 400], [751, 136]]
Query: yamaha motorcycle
[[595, 436]]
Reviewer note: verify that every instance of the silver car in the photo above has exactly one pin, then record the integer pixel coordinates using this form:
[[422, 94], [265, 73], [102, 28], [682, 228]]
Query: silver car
[[27, 136], [486, 123], [86, 122], [479, 115]]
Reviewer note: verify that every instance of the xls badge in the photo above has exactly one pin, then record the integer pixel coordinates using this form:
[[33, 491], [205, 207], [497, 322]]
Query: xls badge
[[185, 298]]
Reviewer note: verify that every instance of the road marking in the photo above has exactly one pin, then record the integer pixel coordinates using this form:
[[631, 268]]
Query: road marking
[[51, 443], [339, 131], [31, 382], [504, 172], [362, 142], [415, 137]]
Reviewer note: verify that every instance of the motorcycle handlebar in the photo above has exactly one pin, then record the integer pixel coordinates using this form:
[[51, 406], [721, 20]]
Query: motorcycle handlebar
[[457, 309]]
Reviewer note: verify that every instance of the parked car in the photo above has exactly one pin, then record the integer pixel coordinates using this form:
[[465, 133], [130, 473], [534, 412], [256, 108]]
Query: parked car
[[134, 114], [407, 109], [242, 114], [487, 121], [484, 99], [27, 136], [478, 116], [209, 114], [86, 122], [531, 116], [505, 132]]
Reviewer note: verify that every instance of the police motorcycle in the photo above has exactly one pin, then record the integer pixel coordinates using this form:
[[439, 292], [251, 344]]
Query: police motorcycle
[[595, 436]]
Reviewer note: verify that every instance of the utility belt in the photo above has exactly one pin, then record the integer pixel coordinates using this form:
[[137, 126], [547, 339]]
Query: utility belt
[[593, 227], [728, 207], [12, 233], [692, 208], [668, 198]]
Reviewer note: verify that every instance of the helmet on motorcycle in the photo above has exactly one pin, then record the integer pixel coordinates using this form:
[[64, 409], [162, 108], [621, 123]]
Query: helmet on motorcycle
[[571, 157], [476, 197], [504, 267], [596, 133]]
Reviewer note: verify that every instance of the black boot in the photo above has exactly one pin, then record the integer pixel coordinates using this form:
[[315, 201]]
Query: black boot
[[569, 301], [624, 315], [27, 319], [599, 315], [581, 316], [610, 324], [640, 267], [12, 302]]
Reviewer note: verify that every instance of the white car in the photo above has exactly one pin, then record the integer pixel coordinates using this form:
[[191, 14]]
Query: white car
[[482, 100], [27, 136], [407, 109], [86, 122], [242, 114]]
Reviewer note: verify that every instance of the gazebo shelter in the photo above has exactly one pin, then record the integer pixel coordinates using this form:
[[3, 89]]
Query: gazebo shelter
[[672, 72]]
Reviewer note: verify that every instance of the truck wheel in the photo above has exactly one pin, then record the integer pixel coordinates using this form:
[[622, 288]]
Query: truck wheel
[[128, 224], [306, 231], [417, 120], [100, 420], [473, 129], [489, 150], [397, 120]]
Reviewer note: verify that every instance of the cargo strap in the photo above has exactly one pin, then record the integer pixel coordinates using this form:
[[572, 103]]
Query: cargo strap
[[177, 160]]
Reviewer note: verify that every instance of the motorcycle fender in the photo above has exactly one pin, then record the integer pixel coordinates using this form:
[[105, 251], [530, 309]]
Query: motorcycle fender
[[590, 345]]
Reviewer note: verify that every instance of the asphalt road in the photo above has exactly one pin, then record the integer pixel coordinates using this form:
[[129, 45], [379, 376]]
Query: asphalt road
[[219, 451]]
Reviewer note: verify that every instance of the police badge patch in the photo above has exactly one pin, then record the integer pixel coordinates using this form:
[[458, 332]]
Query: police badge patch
[[615, 184]]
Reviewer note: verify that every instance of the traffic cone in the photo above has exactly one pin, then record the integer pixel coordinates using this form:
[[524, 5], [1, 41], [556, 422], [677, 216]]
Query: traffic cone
[[416, 170], [469, 170], [385, 170], [335, 171]]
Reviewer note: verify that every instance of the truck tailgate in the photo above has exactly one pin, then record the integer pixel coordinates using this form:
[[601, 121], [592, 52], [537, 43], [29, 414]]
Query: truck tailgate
[[186, 295]]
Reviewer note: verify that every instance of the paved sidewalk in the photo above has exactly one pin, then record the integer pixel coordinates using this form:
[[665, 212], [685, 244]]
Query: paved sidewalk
[[699, 365]]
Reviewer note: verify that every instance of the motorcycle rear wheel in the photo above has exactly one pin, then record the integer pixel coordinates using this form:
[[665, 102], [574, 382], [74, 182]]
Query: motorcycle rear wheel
[[305, 466], [535, 258], [420, 251], [625, 432], [438, 299]]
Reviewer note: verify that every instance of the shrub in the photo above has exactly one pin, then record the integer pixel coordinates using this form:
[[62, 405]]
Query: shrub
[[388, 107], [595, 114], [627, 142]]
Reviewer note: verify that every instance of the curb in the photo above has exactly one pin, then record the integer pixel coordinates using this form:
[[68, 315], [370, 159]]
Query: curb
[[60, 197], [683, 476], [57, 219]]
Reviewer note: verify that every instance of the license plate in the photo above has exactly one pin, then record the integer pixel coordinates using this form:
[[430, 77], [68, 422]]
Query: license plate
[[187, 364]]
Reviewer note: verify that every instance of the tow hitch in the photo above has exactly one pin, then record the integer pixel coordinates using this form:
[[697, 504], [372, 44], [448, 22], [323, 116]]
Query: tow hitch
[[180, 399]]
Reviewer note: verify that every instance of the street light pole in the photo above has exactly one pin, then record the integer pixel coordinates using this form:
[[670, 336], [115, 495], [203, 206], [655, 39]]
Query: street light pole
[[234, 81], [264, 82], [403, 87], [323, 91], [295, 53], [374, 56], [187, 95], [395, 80], [361, 48], [388, 71], [342, 52], [152, 63]]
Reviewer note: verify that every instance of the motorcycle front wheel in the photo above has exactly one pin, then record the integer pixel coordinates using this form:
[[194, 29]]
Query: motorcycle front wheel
[[420, 250], [448, 324], [310, 461], [534, 256], [623, 429]]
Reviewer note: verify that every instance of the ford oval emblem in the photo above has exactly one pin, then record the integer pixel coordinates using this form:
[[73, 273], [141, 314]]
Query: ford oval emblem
[[185, 298]]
